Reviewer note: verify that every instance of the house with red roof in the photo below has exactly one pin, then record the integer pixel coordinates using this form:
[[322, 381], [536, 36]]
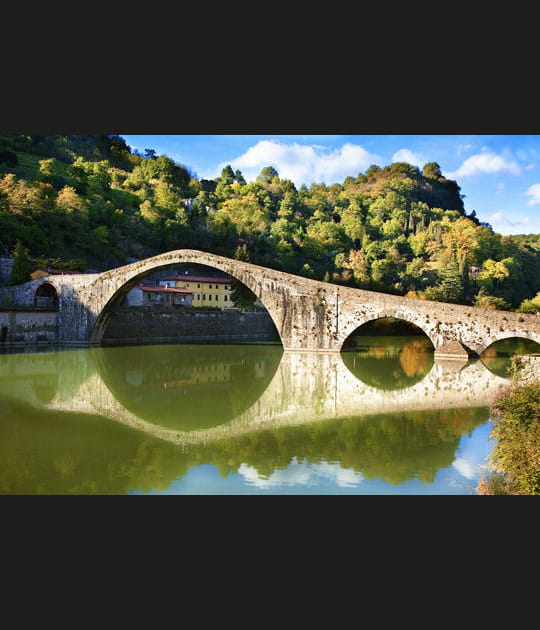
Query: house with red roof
[[159, 296]]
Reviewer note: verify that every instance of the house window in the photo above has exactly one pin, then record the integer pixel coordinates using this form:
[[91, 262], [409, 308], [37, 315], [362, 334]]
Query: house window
[[204, 296], [199, 286], [225, 298], [209, 286], [198, 296]]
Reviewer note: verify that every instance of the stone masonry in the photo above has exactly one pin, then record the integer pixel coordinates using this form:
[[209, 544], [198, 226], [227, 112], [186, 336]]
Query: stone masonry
[[309, 315]]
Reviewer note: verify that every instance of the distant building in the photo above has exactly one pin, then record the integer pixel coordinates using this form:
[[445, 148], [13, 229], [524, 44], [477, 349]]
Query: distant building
[[474, 270], [207, 290], [42, 273], [159, 296]]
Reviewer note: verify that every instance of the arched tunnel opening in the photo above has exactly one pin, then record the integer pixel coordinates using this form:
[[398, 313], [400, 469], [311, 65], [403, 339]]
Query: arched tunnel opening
[[46, 297], [188, 303], [389, 353], [498, 356]]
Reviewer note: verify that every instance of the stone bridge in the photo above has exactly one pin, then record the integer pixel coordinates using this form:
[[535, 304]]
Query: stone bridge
[[309, 315]]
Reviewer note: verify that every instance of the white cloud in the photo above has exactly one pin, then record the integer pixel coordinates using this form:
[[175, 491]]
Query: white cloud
[[505, 224], [300, 473], [534, 193], [502, 219], [500, 188], [485, 162], [304, 164], [465, 467], [405, 155], [462, 148]]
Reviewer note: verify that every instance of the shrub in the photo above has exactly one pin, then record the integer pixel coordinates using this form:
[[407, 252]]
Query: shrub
[[516, 455]]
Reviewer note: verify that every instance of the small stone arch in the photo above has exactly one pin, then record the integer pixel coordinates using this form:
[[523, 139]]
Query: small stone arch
[[489, 341], [46, 296], [387, 314]]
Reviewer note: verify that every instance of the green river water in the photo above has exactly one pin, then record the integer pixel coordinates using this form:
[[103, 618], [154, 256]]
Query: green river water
[[245, 419]]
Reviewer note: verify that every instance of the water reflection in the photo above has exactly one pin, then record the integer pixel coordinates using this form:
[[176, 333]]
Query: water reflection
[[117, 420], [400, 361], [498, 356], [187, 387]]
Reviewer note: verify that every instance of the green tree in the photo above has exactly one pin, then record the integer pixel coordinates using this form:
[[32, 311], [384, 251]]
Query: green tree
[[22, 265], [267, 174], [530, 306], [241, 295], [450, 288], [239, 177], [432, 170], [483, 300]]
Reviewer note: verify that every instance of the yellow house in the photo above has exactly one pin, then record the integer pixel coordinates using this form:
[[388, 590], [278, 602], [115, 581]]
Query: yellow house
[[206, 290]]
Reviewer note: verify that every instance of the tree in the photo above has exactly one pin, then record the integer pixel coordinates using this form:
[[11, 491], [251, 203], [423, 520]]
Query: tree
[[359, 265], [239, 178], [483, 300], [22, 265], [267, 174], [530, 306], [241, 295], [516, 434], [450, 288], [432, 170], [227, 175]]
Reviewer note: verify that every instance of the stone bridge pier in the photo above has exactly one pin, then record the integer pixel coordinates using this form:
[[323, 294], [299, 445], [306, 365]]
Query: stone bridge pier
[[309, 315]]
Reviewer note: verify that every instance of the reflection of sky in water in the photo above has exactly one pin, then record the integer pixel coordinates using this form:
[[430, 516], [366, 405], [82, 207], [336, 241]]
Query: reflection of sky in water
[[299, 477]]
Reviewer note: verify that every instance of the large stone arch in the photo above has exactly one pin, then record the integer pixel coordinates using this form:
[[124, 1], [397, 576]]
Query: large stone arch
[[110, 288]]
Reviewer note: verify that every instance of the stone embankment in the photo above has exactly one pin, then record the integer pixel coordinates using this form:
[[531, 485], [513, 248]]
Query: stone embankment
[[22, 327], [132, 325]]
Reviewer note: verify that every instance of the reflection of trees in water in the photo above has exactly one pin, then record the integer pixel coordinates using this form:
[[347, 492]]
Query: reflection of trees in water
[[81, 454], [415, 357], [72, 453], [395, 447], [400, 361], [498, 356]]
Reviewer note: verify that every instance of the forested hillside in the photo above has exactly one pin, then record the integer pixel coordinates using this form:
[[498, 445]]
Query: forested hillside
[[90, 202]]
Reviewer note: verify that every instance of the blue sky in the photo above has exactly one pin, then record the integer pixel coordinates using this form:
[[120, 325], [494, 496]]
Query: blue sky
[[498, 174]]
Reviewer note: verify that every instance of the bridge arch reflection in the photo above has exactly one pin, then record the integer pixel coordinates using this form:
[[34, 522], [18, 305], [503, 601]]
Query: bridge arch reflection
[[497, 357], [389, 353], [336, 416], [291, 388]]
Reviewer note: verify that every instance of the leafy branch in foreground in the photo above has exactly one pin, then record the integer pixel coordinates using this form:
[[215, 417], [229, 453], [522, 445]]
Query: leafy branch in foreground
[[515, 460]]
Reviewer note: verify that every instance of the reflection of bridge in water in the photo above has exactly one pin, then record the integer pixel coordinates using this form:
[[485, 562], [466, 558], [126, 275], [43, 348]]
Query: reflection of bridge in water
[[305, 388]]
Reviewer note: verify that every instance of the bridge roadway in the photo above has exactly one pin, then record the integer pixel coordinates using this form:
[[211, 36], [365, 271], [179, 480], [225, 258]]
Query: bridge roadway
[[306, 388], [309, 315]]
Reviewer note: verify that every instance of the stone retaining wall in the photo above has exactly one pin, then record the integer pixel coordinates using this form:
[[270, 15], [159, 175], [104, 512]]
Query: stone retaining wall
[[28, 327], [141, 326]]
